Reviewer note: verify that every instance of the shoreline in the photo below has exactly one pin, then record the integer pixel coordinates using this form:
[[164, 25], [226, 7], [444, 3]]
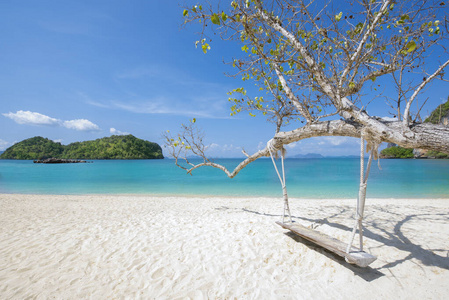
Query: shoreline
[[141, 246], [201, 196]]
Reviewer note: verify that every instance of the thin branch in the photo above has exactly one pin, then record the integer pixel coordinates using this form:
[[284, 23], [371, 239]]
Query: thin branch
[[362, 43], [406, 114], [305, 113]]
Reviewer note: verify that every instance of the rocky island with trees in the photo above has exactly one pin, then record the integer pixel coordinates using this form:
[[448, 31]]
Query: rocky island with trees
[[113, 147]]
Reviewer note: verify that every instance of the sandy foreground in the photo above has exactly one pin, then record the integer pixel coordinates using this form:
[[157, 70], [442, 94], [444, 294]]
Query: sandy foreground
[[114, 247]]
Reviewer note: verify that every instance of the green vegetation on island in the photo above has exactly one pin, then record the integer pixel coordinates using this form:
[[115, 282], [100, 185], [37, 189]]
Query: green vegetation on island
[[436, 154], [113, 147], [440, 114], [34, 148], [397, 152]]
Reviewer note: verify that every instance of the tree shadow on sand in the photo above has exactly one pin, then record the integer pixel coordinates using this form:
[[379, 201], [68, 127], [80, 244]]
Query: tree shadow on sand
[[388, 231]]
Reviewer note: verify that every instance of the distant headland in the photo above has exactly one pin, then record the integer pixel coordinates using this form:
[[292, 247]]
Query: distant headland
[[113, 147]]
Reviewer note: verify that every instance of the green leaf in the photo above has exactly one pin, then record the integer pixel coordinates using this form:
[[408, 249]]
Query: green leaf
[[215, 19], [338, 17], [245, 48], [185, 12], [205, 47], [224, 16], [411, 46]]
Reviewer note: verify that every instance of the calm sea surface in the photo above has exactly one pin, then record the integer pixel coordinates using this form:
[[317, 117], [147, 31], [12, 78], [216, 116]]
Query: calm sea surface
[[306, 178]]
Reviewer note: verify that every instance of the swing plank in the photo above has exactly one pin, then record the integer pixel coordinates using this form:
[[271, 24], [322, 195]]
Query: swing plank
[[359, 258]]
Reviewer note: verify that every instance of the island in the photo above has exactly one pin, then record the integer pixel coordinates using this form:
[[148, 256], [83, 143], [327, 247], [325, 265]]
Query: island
[[113, 147]]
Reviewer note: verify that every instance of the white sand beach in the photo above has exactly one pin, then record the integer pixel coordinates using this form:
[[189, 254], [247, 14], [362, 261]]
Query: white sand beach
[[143, 247]]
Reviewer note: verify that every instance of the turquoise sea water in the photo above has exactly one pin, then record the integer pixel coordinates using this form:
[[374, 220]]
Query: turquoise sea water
[[306, 178]]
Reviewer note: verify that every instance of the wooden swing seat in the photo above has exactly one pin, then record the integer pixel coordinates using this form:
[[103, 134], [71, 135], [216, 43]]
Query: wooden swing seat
[[359, 258]]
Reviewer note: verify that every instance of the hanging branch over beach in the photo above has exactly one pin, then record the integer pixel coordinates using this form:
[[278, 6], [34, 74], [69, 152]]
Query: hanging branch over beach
[[312, 62]]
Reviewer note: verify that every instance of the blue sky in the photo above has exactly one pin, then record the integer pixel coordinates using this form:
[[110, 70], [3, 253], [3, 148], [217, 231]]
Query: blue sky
[[81, 70]]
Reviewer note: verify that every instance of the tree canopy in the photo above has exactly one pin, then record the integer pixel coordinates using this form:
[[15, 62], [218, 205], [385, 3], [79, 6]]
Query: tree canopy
[[33, 148], [397, 152], [113, 147], [313, 62]]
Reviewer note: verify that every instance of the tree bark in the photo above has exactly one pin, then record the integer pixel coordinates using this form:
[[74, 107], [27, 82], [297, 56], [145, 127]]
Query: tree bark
[[424, 136]]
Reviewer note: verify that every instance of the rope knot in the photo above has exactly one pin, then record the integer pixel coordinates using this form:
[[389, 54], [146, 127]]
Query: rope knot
[[274, 146]]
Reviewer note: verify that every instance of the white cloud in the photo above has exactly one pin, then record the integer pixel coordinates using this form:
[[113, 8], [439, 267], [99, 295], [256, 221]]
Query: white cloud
[[336, 140], [228, 151], [117, 132], [327, 146], [166, 90], [170, 106], [4, 145], [213, 146], [261, 146], [32, 118], [81, 125], [291, 146]]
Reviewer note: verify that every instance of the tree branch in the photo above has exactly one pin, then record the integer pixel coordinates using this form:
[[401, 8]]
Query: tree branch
[[423, 136], [305, 113], [420, 87]]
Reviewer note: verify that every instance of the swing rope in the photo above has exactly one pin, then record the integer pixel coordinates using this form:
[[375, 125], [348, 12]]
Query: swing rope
[[272, 149], [362, 194], [359, 258]]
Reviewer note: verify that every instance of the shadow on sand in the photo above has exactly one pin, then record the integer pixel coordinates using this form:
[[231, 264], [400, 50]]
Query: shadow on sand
[[382, 231]]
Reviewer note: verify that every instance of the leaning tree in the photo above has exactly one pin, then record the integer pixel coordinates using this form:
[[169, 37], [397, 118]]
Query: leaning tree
[[314, 61]]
